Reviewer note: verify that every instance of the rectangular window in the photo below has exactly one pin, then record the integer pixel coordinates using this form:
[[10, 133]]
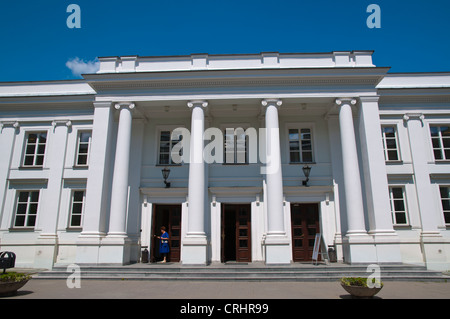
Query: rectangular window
[[35, 149], [440, 139], [83, 147], [76, 212], [390, 144], [300, 146], [166, 143], [445, 199], [26, 210], [235, 146], [398, 205]]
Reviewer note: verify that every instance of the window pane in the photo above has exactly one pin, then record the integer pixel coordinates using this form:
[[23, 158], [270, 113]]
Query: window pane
[[20, 220], [293, 134], [307, 156], [78, 196], [22, 209], [434, 131], [295, 157], [391, 144], [34, 197], [32, 138], [76, 221], [392, 155], [446, 204], [33, 209], [30, 149], [437, 154], [23, 197], [31, 221], [445, 191], [294, 146], [446, 142], [41, 149], [306, 145], [28, 160], [83, 148], [82, 160], [447, 217], [165, 136], [40, 160], [164, 159], [447, 154], [445, 131], [389, 131], [400, 218], [85, 136], [42, 137], [436, 142], [399, 206]]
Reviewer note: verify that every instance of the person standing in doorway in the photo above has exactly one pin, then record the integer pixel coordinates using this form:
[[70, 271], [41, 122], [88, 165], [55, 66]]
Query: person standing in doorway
[[163, 243]]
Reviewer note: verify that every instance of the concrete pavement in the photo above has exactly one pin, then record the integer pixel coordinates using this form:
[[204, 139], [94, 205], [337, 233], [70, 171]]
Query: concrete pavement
[[130, 289]]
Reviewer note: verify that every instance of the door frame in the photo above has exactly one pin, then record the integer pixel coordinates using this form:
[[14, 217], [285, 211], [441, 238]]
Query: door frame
[[155, 231], [237, 235], [309, 237]]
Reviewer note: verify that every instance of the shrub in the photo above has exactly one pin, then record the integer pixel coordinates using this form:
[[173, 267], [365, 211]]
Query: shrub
[[357, 281], [13, 276]]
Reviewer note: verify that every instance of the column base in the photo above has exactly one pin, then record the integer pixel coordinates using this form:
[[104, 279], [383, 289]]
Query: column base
[[359, 248], [277, 250], [45, 252], [387, 246], [433, 248], [96, 249], [194, 250]]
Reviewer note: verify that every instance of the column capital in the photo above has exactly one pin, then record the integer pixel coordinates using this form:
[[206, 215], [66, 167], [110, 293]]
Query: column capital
[[275, 102], [202, 103], [66, 123], [345, 100], [13, 124], [120, 105], [413, 116]]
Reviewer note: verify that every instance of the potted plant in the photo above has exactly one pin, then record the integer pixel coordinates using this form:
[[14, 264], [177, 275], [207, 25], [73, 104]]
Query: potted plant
[[10, 282], [357, 287]]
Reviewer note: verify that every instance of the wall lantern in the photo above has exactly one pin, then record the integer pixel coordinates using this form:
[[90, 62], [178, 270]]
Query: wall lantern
[[306, 171], [165, 173]]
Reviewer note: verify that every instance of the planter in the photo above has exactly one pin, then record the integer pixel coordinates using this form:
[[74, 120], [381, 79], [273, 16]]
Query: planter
[[357, 287], [10, 288], [11, 282]]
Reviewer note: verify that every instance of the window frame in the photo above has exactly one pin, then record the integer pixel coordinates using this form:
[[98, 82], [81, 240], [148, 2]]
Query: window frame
[[443, 210], [27, 214], [78, 144], [392, 206], [234, 126], [299, 127], [397, 144], [83, 206], [441, 148], [159, 129], [35, 153]]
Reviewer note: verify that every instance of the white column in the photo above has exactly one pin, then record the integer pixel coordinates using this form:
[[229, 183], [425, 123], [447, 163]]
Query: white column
[[8, 131], [46, 248], [97, 186], [358, 246], [195, 243], [431, 238], [376, 182], [277, 243], [119, 193]]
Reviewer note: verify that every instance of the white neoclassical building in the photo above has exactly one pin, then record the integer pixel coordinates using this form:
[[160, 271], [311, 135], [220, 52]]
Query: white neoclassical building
[[81, 171]]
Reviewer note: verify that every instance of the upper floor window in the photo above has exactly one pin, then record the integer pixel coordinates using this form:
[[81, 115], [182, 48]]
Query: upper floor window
[[300, 145], [83, 147], [35, 149], [390, 143], [440, 138], [445, 200], [26, 210], [235, 146], [398, 205], [166, 144]]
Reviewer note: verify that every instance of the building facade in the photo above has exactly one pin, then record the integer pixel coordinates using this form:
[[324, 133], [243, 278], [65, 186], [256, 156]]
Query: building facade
[[81, 171]]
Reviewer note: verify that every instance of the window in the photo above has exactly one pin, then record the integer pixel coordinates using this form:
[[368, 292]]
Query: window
[[390, 145], [77, 208], [440, 138], [398, 205], [300, 145], [26, 210], [235, 146], [445, 199], [84, 145], [165, 146], [35, 149]]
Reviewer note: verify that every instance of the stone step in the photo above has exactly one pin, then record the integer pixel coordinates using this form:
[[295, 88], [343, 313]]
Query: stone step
[[243, 272]]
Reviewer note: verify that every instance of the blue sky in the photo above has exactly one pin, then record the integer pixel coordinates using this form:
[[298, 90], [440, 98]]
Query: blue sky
[[36, 43]]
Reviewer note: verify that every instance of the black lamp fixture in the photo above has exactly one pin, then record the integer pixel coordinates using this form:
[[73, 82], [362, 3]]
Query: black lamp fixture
[[306, 171], [165, 173]]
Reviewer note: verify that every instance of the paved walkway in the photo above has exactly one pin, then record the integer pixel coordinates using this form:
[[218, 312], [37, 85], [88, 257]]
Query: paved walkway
[[109, 289]]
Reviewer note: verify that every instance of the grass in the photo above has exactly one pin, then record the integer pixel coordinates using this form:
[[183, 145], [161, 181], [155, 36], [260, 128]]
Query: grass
[[357, 281], [13, 277]]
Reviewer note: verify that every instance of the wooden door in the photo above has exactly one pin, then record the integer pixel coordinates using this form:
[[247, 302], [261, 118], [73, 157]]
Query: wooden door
[[168, 216], [304, 226], [236, 233]]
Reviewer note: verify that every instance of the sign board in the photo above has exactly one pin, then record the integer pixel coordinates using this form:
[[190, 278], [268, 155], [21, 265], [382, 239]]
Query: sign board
[[315, 254]]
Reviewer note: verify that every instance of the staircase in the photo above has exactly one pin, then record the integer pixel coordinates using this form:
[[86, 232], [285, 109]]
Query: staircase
[[244, 272]]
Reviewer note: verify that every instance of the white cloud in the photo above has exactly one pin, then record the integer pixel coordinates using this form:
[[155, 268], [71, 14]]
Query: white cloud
[[78, 66]]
